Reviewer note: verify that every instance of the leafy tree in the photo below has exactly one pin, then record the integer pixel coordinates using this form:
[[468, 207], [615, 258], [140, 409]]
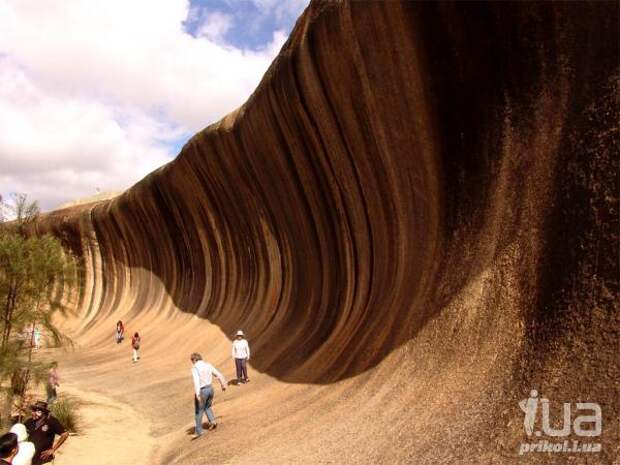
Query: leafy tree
[[35, 272]]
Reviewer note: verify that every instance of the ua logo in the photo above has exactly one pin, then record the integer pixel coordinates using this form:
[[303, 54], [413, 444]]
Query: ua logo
[[584, 425]]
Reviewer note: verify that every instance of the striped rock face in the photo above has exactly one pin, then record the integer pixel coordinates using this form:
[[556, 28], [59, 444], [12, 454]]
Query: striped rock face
[[412, 219]]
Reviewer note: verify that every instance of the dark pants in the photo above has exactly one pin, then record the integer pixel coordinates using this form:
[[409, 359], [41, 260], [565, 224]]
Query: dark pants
[[242, 369], [52, 395]]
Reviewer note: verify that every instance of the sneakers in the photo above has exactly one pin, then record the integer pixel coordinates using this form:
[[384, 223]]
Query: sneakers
[[212, 426]]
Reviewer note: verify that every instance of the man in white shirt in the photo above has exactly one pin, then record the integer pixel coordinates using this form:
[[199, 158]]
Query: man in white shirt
[[202, 374], [241, 355]]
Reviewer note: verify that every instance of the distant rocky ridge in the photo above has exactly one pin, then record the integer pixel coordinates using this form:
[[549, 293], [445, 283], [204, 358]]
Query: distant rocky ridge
[[86, 200]]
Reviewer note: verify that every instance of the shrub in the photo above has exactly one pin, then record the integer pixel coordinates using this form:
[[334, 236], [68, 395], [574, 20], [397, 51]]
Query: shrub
[[67, 412]]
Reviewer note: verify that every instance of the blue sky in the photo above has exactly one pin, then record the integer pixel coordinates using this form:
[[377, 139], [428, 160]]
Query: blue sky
[[124, 90], [252, 23]]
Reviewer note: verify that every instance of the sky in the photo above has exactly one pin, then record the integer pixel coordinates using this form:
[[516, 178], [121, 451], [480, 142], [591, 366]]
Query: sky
[[95, 95]]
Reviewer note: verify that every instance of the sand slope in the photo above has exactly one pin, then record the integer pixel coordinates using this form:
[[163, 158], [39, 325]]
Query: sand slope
[[112, 433]]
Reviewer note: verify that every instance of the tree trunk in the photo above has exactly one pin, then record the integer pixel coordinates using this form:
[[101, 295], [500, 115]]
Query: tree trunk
[[7, 408], [8, 314], [24, 389]]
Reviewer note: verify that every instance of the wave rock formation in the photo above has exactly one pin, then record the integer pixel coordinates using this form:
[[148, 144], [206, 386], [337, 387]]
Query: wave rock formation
[[414, 219]]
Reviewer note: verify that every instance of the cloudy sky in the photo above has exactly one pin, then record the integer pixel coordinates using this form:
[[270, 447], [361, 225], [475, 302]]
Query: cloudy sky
[[96, 94]]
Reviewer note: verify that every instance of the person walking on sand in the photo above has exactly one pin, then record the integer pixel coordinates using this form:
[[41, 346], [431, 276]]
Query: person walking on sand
[[8, 448], [53, 382], [135, 345], [241, 355], [25, 451], [120, 332], [43, 428], [202, 375]]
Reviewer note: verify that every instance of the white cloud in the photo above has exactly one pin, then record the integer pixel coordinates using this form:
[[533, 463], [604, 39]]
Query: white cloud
[[215, 26], [56, 149], [93, 93]]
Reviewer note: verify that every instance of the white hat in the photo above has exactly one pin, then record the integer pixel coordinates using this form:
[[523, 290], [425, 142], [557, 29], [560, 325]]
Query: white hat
[[19, 430], [239, 333]]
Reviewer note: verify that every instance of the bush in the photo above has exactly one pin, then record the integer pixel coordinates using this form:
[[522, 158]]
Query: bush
[[67, 412]]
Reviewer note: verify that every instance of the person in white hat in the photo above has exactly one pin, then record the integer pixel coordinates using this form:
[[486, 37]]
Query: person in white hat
[[26, 449], [241, 355]]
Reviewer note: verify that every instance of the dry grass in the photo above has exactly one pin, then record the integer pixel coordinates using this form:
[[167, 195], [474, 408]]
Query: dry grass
[[67, 412]]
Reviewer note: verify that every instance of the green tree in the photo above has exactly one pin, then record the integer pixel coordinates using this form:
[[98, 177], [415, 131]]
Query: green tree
[[35, 273]]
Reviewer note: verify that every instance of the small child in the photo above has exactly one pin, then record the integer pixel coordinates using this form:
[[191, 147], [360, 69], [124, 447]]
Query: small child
[[120, 332], [135, 344]]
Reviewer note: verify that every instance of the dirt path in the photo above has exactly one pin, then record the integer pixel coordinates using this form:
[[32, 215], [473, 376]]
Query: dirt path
[[109, 434]]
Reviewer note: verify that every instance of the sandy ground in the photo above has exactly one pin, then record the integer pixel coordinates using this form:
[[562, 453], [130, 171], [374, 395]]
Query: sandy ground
[[267, 422], [112, 433]]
